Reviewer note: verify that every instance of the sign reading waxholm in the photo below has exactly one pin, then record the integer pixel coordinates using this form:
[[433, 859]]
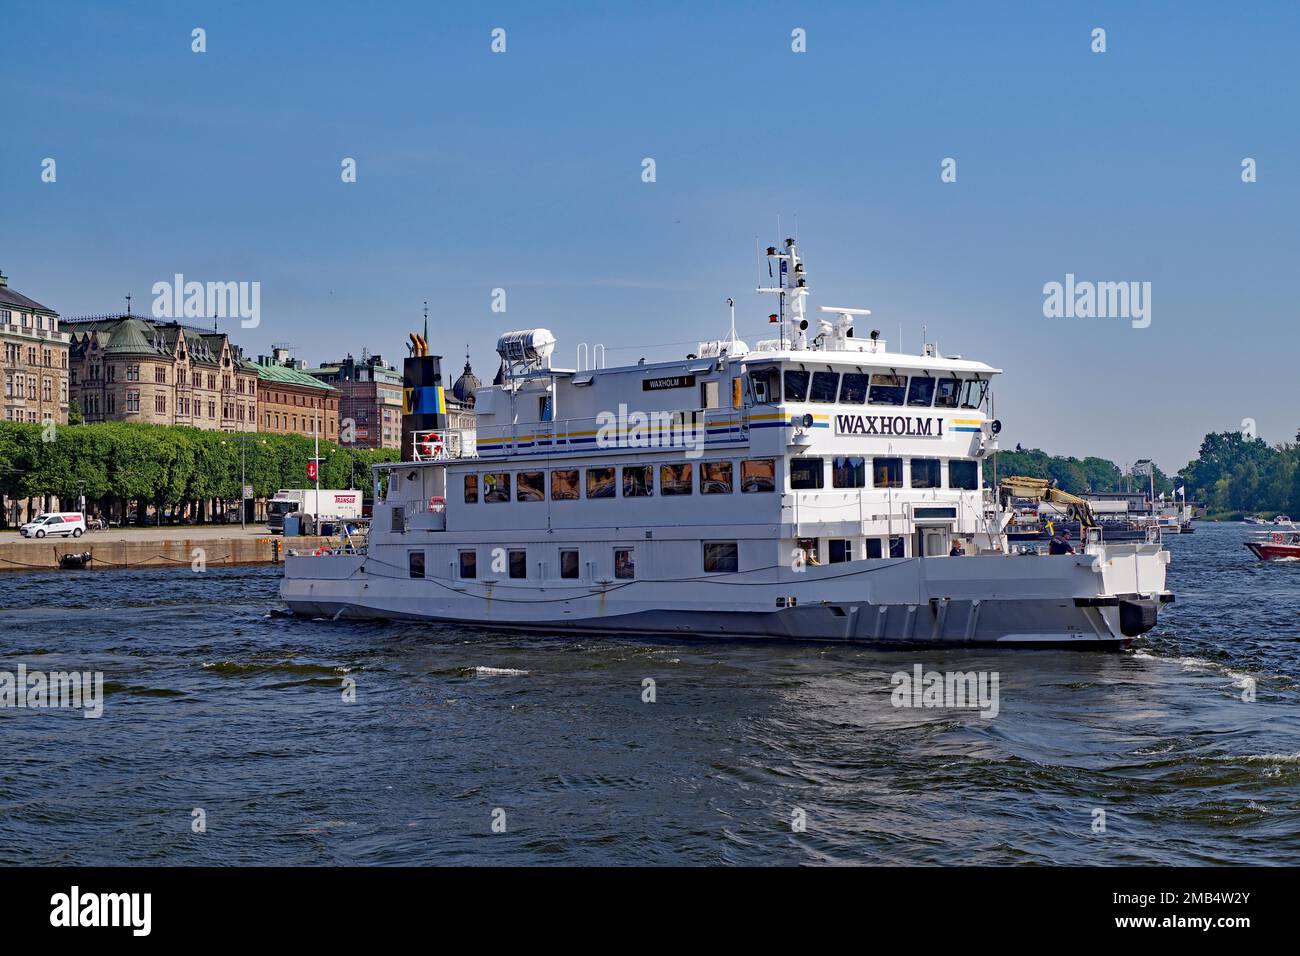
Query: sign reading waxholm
[[896, 426]]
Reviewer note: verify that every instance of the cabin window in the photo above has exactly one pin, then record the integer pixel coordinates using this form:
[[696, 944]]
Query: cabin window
[[624, 563], [921, 391], [564, 485], [811, 551], [807, 473], [887, 389], [715, 478], [530, 486], [873, 548], [925, 473], [972, 393], [736, 391], [841, 550], [675, 479], [849, 472], [638, 481], [496, 486], [796, 386], [518, 564], [569, 565], [544, 408], [897, 547], [767, 386], [468, 564], [415, 564], [887, 472], [963, 474], [398, 520], [825, 385], [853, 389], [709, 394], [758, 475], [600, 482], [721, 556], [946, 392]]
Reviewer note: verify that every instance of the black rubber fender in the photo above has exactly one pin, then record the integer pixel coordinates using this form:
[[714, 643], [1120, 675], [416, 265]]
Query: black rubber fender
[[1137, 617]]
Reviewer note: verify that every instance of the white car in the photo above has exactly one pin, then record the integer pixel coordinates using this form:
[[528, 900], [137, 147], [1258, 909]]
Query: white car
[[66, 523]]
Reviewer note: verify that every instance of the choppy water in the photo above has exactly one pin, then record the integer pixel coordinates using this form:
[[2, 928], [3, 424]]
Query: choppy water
[[213, 704]]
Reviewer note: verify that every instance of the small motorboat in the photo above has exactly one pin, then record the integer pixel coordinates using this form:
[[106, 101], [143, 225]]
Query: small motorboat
[[1255, 519], [1276, 545], [1284, 521], [74, 561]]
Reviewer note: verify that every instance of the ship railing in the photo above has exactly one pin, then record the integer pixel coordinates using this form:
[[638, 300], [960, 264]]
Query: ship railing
[[444, 444]]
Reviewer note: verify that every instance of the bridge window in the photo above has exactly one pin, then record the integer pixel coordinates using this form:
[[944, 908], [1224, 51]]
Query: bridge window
[[972, 393], [675, 479], [946, 392], [807, 473], [638, 481], [569, 565], [721, 556], [758, 475], [600, 483], [468, 564], [518, 564], [921, 391], [530, 486], [887, 389], [564, 485], [715, 478], [796, 386], [963, 474], [925, 473], [824, 387], [841, 550], [624, 563], [767, 386], [887, 472], [471, 489], [853, 389], [849, 472], [496, 486]]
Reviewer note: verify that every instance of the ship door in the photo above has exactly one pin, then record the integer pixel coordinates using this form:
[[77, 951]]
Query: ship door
[[932, 542]]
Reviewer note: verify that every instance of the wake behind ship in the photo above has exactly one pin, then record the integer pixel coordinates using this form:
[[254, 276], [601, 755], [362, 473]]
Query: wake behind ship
[[816, 487]]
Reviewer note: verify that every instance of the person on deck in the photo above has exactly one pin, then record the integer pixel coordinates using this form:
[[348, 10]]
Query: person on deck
[[956, 551], [1061, 544]]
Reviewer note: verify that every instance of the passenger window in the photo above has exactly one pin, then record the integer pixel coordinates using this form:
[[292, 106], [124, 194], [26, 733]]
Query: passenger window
[[471, 489], [496, 487], [887, 472], [758, 475], [853, 389], [796, 386], [715, 478], [531, 486], [638, 481], [721, 556], [624, 563], [921, 391], [807, 473], [468, 564], [841, 550], [849, 472], [963, 475], [675, 479], [564, 485], [824, 387], [518, 564], [946, 392], [600, 482], [569, 565], [887, 389], [925, 473]]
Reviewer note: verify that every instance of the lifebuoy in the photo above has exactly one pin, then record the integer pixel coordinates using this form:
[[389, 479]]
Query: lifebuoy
[[437, 504]]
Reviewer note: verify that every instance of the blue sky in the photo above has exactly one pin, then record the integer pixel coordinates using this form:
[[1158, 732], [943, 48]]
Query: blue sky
[[522, 171]]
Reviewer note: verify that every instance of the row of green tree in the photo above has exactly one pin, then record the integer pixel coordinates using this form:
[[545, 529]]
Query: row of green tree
[[122, 465], [1232, 475]]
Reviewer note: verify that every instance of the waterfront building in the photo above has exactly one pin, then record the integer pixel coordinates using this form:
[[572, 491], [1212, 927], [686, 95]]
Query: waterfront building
[[370, 398], [35, 359], [290, 401], [131, 368]]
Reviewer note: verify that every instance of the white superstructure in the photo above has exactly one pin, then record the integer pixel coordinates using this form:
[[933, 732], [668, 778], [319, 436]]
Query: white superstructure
[[811, 487]]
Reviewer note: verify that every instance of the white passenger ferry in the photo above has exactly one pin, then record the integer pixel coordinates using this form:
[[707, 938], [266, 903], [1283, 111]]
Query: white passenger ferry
[[816, 487]]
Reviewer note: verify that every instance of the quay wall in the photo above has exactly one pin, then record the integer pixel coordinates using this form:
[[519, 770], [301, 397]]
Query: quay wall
[[43, 555]]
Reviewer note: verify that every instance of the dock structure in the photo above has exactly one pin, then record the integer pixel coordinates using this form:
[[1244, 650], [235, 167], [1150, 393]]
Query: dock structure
[[175, 548]]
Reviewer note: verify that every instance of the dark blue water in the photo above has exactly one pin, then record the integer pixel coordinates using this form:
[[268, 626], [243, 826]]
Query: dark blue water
[[215, 705]]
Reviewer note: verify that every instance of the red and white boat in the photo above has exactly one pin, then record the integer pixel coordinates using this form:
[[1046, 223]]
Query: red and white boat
[[1277, 545]]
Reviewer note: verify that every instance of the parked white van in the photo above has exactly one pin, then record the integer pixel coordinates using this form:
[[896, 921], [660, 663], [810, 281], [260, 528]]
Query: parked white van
[[66, 523]]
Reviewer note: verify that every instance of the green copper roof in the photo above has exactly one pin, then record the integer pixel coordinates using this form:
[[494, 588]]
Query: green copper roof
[[287, 376]]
